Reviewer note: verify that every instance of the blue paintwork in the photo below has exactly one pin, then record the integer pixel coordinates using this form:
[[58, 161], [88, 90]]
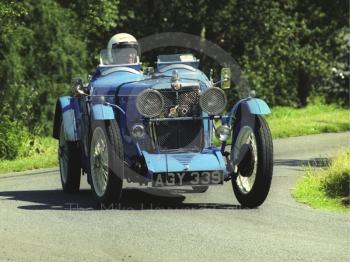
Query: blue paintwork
[[255, 106], [102, 112], [107, 84], [258, 106], [180, 162], [68, 110]]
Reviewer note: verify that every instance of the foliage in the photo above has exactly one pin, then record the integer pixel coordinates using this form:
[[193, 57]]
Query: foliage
[[39, 54], [16, 141], [13, 139], [285, 48], [337, 86], [44, 155], [337, 181], [326, 188], [96, 21]]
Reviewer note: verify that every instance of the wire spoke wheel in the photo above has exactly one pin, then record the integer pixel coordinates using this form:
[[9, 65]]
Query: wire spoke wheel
[[252, 158], [245, 157], [99, 161], [106, 162]]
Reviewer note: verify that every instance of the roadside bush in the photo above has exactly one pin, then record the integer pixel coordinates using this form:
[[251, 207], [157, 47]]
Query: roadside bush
[[326, 188], [336, 182], [17, 142], [13, 139]]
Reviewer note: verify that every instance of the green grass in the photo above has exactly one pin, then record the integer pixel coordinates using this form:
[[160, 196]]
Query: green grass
[[314, 119], [283, 122], [327, 188], [45, 157]]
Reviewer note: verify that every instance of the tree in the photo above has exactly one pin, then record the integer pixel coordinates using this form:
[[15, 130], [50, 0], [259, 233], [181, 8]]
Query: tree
[[40, 52], [96, 21]]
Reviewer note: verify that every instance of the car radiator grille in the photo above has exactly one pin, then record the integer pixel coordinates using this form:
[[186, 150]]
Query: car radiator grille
[[186, 101], [179, 134]]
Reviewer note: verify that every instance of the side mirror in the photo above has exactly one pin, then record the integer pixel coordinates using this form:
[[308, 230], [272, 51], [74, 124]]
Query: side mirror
[[225, 78], [77, 86]]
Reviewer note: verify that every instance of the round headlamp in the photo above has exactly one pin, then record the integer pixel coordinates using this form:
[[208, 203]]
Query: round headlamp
[[213, 101], [150, 103], [138, 131], [223, 133]]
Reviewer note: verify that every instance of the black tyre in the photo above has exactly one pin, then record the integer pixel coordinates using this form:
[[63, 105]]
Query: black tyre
[[106, 162], [200, 189], [69, 162], [252, 156]]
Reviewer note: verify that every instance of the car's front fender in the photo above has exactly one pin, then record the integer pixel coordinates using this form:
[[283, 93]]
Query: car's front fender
[[66, 108], [253, 105]]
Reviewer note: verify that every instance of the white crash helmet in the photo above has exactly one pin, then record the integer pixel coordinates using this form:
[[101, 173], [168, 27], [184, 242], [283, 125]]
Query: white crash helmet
[[123, 49]]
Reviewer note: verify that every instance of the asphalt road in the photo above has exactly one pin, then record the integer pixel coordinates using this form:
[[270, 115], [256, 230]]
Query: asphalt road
[[39, 222]]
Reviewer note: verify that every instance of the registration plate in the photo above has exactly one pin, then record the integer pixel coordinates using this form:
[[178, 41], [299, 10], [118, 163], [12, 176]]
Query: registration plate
[[188, 178]]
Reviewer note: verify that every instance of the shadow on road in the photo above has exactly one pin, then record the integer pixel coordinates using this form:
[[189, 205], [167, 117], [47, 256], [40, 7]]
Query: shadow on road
[[313, 162], [132, 199]]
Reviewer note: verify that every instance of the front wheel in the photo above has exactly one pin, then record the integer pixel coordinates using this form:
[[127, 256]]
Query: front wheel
[[252, 157], [106, 162]]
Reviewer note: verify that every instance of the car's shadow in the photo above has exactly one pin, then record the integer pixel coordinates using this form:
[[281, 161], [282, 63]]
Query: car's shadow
[[132, 199], [313, 162]]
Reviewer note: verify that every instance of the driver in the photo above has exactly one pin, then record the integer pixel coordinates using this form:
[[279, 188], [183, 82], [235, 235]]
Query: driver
[[123, 49]]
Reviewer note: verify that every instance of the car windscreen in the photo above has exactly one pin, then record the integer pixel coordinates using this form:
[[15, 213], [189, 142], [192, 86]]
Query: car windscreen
[[119, 56]]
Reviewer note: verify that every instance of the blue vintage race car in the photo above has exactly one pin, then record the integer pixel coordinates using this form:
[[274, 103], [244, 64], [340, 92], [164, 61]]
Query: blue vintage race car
[[156, 126]]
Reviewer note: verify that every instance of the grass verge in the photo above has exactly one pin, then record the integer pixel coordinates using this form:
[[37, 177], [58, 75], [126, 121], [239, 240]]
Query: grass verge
[[326, 188], [314, 119], [45, 157]]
